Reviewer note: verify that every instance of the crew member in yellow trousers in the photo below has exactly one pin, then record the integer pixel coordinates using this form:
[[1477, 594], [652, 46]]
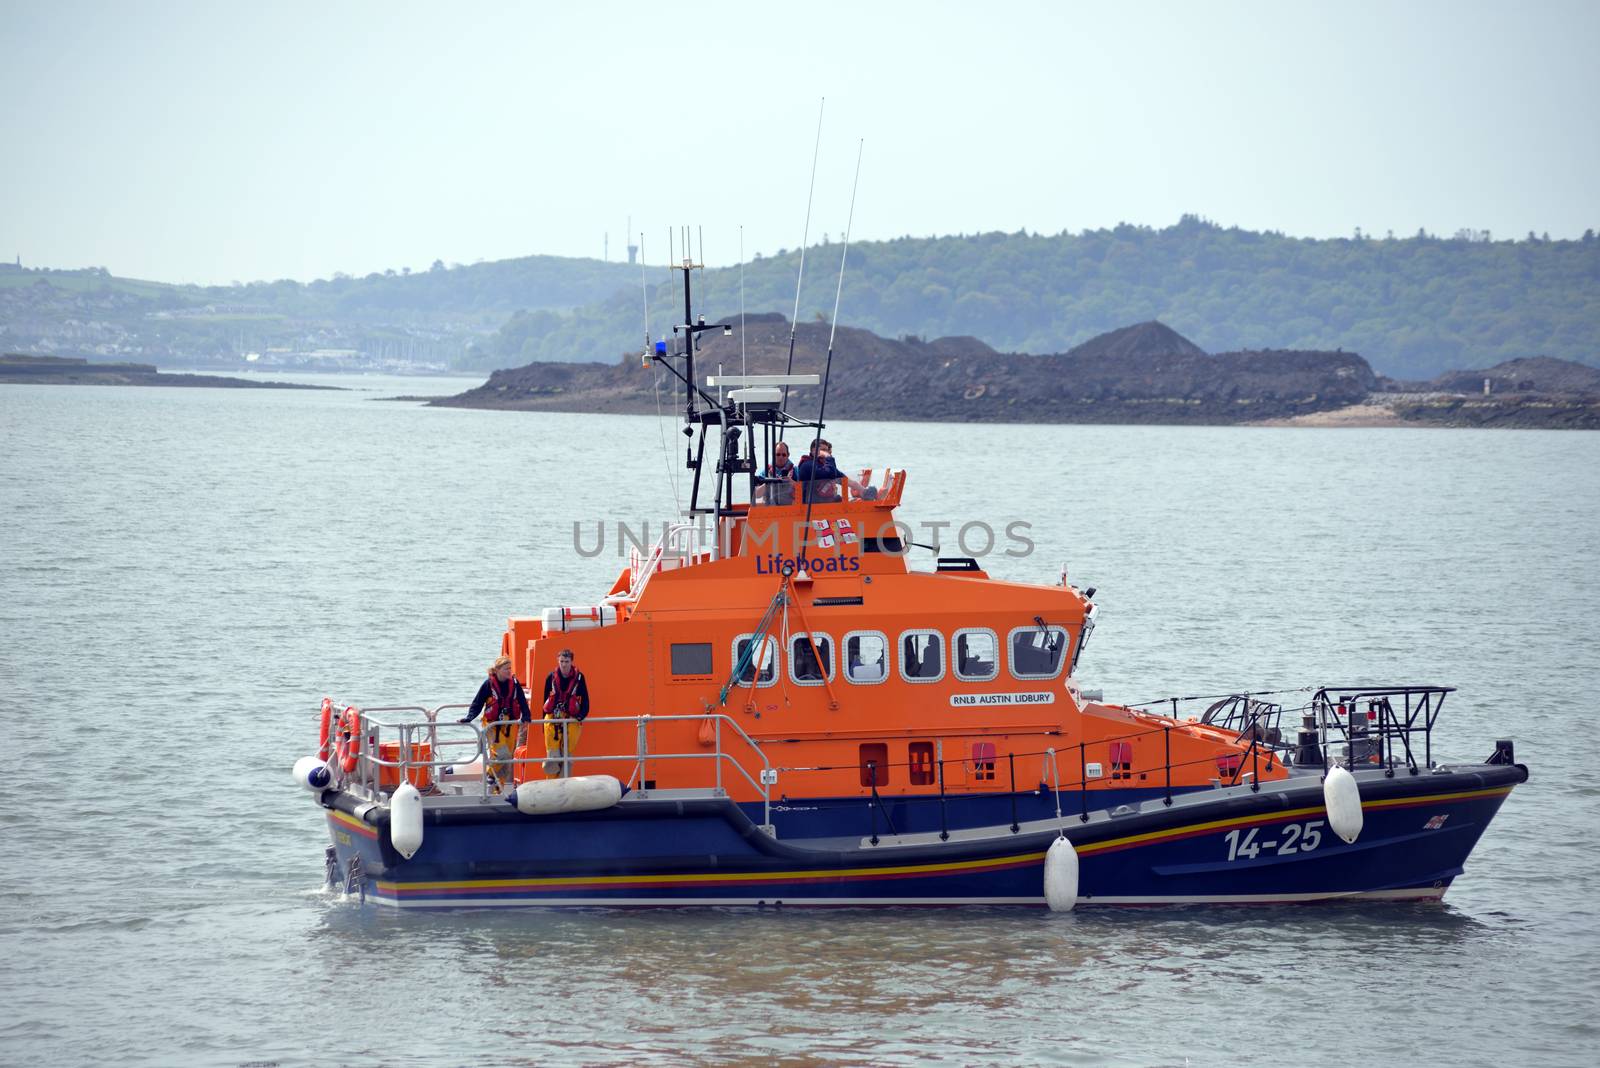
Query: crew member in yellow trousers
[[506, 715], [566, 696]]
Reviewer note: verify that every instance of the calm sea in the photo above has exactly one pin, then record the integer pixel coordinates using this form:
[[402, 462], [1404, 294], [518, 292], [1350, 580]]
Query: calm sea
[[185, 573]]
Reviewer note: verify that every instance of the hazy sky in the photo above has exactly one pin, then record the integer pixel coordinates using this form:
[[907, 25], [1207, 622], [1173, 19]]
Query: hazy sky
[[219, 141]]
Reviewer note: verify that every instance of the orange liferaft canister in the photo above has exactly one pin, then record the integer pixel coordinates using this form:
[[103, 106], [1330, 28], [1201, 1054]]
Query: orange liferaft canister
[[389, 776]]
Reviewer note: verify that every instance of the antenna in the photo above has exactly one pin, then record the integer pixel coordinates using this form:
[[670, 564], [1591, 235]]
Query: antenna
[[804, 237], [744, 367], [644, 289], [849, 221], [827, 372]]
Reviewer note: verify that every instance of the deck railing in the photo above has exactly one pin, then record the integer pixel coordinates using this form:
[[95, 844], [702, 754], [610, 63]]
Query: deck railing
[[410, 743], [1386, 727]]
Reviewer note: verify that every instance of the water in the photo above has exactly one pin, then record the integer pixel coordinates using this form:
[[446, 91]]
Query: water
[[184, 574]]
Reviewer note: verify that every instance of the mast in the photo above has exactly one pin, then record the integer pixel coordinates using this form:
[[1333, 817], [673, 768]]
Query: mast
[[689, 332]]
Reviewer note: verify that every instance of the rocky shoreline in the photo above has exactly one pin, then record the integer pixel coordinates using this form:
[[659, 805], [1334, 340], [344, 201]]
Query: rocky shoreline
[[16, 368], [1143, 374]]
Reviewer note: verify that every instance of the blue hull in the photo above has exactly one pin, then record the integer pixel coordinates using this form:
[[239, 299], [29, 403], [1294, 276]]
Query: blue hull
[[1230, 845]]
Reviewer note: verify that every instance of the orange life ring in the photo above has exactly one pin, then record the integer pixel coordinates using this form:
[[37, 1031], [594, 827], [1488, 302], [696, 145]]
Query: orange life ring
[[327, 723], [349, 738]]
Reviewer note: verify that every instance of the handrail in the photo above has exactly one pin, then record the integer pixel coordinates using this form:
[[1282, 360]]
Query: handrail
[[1331, 718], [375, 722], [641, 577], [680, 539]]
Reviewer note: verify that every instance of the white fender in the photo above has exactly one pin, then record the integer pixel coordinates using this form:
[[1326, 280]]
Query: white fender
[[312, 773], [405, 820], [581, 793], [1061, 876], [1342, 798]]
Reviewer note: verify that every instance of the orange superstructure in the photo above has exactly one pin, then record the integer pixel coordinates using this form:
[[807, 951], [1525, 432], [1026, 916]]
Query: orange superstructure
[[868, 674]]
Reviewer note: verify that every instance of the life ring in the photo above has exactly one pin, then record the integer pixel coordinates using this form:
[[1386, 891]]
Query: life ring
[[349, 738], [327, 725]]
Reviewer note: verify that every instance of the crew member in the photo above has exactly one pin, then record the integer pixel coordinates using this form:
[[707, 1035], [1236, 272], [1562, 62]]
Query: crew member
[[504, 705], [777, 486], [566, 706], [820, 477], [818, 474]]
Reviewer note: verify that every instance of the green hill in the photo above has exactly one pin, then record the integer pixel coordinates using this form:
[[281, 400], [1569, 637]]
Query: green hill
[[1414, 307]]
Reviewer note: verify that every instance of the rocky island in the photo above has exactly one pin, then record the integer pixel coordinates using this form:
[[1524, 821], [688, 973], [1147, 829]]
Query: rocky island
[[1140, 374], [1147, 373]]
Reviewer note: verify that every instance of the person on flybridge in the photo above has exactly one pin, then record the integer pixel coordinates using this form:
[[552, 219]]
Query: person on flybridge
[[777, 486], [820, 477]]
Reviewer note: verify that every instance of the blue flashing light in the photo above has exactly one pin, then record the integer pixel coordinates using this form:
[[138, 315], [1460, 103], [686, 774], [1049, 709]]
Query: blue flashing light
[[661, 348]]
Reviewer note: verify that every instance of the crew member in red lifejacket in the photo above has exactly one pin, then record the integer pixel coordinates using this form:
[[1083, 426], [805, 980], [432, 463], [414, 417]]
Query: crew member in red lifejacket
[[505, 710], [566, 697]]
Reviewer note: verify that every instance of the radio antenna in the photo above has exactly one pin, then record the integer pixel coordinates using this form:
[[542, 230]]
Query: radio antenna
[[827, 371], [744, 368], [644, 290], [848, 223], [804, 237]]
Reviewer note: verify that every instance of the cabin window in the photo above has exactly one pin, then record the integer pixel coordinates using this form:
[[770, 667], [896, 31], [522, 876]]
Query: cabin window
[[921, 656], [889, 544], [762, 670], [803, 666], [691, 658], [1038, 652], [875, 764], [866, 656], [920, 765], [977, 655]]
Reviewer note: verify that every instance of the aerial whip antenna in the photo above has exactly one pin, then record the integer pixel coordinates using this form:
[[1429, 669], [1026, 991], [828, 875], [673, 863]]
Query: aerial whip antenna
[[827, 371], [666, 453], [744, 368], [849, 221], [644, 291], [705, 276], [804, 237]]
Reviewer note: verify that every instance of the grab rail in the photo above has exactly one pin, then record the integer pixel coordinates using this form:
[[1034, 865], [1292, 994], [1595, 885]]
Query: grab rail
[[1376, 727], [379, 722]]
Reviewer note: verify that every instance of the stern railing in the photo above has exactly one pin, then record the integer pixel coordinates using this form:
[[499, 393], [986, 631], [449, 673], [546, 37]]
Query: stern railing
[[401, 743]]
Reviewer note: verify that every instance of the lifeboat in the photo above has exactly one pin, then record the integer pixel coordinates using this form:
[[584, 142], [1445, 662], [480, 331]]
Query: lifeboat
[[783, 712]]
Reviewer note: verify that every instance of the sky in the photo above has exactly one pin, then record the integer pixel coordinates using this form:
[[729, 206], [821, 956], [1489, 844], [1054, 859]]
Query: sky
[[226, 141]]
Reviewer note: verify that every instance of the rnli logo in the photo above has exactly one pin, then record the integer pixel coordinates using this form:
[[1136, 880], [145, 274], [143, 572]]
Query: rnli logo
[[1435, 823]]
